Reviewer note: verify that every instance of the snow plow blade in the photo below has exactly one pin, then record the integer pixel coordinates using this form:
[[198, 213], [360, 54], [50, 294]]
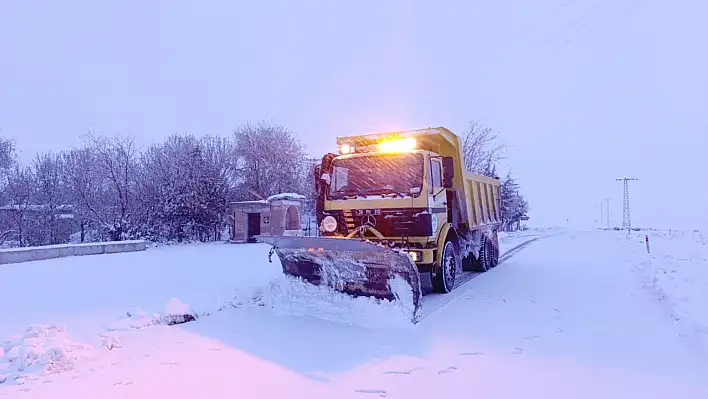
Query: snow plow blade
[[355, 267]]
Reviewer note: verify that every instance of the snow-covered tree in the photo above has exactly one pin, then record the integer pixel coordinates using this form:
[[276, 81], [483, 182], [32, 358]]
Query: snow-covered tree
[[7, 154], [84, 189], [481, 149], [184, 188], [514, 207], [115, 166], [269, 160], [19, 193], [49, 195], [7, 161]]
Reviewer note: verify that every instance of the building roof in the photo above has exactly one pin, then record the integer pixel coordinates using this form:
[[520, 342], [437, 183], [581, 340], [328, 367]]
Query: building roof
[[269, 200]]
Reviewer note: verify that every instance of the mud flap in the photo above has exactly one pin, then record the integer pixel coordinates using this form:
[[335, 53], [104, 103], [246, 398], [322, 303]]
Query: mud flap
[[359, 268]]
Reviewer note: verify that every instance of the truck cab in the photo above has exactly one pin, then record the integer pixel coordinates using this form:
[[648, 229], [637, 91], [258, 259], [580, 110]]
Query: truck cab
[[397, 197]]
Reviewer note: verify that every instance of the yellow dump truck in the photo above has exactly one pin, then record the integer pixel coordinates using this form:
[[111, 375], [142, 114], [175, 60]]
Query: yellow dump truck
[[397, 205]]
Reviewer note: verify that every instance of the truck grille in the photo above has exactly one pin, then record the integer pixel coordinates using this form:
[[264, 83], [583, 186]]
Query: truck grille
[[390, 222]]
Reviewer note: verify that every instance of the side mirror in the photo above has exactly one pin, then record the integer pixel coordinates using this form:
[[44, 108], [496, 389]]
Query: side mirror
[[317, 178], [326, 178], [448, 164]]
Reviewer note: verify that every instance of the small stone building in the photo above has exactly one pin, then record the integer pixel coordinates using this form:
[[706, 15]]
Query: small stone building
[[276, 216]]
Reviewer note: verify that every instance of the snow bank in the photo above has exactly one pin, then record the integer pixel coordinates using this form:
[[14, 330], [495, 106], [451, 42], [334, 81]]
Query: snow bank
[[42, 349], [294, 297], [27, 254], [676, 271]]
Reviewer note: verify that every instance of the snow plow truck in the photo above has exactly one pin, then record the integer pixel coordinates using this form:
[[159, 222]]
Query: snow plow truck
[[396, 205]]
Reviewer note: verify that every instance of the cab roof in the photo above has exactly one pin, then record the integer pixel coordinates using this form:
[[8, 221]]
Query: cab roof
[[430, 139]]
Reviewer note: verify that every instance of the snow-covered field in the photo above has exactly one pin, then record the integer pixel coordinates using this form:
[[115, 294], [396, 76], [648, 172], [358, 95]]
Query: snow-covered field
[[676, 272], [573, 314]]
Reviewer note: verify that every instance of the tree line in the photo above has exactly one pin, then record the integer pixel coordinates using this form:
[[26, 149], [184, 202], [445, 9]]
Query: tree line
[[177, 190]]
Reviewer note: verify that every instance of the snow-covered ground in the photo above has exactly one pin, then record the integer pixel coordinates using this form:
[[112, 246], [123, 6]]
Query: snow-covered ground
[[676, 272], [84, 293], [569, 315]]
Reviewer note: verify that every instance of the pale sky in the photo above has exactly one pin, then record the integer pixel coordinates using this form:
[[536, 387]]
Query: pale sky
[[585, 91]]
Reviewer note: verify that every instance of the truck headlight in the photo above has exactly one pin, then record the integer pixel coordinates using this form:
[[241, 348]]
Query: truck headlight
[[416, 256], [329, 224]]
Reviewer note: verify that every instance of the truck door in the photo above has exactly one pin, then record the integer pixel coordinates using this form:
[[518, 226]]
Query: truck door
[[438, 197]]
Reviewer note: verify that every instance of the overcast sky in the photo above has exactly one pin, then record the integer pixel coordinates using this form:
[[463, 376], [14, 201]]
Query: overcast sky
[[585, 91]]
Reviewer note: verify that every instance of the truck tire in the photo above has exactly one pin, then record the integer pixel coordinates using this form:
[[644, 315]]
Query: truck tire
[[444, 278], [485, 260], [495, 249]]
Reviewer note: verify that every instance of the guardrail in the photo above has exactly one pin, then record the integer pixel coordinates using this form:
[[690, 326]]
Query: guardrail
[[28, 254]]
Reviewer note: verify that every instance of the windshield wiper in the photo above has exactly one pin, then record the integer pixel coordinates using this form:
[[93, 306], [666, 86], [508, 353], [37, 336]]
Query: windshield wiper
[[383, 191], [349, 193]]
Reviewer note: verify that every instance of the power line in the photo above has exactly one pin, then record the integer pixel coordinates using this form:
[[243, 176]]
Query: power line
[[634, 6], [521, 33]]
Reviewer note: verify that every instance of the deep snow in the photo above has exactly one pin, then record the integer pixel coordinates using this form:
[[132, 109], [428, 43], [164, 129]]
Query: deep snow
[[676, 273], [566, 316]]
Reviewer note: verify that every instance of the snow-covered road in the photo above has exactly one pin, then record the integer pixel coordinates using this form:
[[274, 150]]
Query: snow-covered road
[[567, 316]]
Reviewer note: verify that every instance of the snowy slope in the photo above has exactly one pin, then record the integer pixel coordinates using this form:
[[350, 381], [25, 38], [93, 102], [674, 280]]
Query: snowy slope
[[567, 316]]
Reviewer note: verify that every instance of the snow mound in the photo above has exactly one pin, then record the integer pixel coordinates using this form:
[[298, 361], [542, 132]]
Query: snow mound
[[40, 350], [177, 312], [135, 320], [294, 297]]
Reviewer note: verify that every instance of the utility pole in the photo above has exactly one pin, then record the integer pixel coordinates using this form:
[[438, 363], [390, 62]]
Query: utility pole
[[607, 199], [626, 218], [601, 214]]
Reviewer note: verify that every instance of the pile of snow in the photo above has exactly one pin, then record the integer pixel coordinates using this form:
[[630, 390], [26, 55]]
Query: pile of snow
[[676, 271], [177, 312], [40, 350], [294, 297], [135, 320]]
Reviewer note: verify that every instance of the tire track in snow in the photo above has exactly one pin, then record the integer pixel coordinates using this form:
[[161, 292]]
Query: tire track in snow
[[434, 302]]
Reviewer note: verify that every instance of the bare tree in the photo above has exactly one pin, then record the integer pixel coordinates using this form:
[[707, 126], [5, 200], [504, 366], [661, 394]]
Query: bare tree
[[49, 193], [481, 148], [84, 187], [7, 151], [7, 161], [117, 160], [269, 158], [19, 194]]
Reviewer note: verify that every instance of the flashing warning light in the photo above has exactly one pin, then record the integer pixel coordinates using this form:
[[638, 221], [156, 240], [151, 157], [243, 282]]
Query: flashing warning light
[[397, 145], [346, 148]]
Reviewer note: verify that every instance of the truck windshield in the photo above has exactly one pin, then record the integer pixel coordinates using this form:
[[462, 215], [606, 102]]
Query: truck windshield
[[379, 174]]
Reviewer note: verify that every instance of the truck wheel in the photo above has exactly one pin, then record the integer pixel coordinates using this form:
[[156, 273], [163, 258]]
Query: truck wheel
[[444, 279], [495, 250], [486, 255]]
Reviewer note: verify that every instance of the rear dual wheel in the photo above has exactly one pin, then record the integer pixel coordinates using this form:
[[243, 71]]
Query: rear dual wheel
[[488, 254]]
